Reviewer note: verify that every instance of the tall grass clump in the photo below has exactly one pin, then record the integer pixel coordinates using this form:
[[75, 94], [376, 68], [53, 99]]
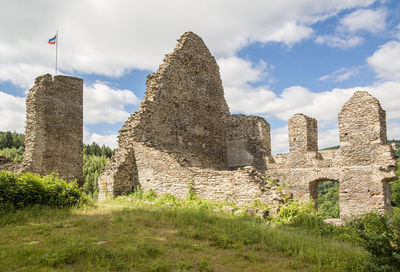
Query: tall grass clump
[[20, 190]]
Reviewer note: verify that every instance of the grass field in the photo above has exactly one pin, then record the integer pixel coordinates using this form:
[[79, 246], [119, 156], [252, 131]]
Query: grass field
[[136, 235]]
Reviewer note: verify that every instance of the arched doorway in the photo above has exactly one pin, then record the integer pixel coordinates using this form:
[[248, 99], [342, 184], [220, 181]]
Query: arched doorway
[[325, 194]]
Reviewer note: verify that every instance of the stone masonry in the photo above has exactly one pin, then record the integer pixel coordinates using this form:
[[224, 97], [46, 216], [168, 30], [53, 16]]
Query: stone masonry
[[183, 137], [248, 141], [303, 133], [362, 166], [178, 136], [54, 127]]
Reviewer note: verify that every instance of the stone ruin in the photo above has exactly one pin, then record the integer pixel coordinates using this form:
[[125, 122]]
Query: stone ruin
[[54, 127], [183, 137]]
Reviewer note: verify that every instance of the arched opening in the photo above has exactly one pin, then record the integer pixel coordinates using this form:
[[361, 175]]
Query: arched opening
[[325, 194]]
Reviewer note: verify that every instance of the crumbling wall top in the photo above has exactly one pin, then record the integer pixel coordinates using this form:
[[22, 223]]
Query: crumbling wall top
[[184, 108]]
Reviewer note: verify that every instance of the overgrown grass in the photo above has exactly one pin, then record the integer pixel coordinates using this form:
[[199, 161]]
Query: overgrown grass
[[144, 232]]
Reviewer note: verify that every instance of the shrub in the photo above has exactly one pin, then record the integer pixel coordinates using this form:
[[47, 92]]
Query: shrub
[[380, 235], [20, 190], [16, 154], [296, 213]]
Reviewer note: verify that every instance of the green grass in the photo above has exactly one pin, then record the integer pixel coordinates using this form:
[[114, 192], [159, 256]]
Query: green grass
[[136, 235]]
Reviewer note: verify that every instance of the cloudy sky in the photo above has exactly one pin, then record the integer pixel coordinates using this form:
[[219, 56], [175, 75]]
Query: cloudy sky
[[276, 57]]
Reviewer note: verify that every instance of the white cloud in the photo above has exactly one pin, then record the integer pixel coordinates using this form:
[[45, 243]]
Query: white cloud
[[239, 72], [344, 42], [102, 104], [110, 140], [290, 33], [350, 26], [280, 140], [341, 74], [328, 138], [22, 74], [136, 34], [364, 20], [386, 61], [12, 113]]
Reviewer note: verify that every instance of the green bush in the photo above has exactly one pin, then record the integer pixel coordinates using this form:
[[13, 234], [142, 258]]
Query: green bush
[[16, 154], [380, 235], [297, 213], [19, 190]]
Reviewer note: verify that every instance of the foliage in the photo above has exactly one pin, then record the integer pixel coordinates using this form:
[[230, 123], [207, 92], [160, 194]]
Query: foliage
[[191, 195], [92, 168], [298, 213], [328, 199], [380, 235], [19, 190], [260, 205], [395, 186], [11, 139], [94, 149], [16, 154]]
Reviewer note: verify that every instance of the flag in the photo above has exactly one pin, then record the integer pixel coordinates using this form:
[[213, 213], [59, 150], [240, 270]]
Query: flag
[[52, 40]]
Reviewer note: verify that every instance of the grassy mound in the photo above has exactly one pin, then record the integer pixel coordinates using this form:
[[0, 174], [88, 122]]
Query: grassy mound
[[145, 232]]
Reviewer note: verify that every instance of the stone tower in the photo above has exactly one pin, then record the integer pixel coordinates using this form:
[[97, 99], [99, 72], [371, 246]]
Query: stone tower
[[303, 133], [54, 127]]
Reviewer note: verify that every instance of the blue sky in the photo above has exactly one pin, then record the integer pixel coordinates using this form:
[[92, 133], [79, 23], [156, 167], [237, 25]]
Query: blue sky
[[276, 58]]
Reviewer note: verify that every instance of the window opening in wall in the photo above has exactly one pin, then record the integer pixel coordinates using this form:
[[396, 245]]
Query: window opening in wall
[[328, 199]]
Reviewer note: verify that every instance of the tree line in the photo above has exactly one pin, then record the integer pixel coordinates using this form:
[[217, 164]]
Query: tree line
[[13, 141]]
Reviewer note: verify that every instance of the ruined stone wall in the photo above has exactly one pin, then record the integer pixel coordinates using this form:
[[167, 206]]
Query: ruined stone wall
[[362, 166], [165, 175], [182, 134], [183, 115], [362, 129], [248, 141], [54, 127], [184, 107]]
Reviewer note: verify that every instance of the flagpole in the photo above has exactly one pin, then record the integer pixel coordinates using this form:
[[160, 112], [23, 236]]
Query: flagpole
[[56, 49]]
